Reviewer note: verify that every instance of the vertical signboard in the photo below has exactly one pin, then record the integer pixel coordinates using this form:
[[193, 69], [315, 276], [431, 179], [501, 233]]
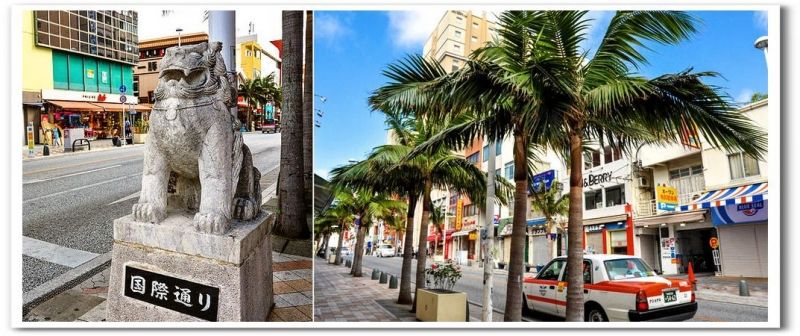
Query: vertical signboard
[[459, 214], [29, 130]]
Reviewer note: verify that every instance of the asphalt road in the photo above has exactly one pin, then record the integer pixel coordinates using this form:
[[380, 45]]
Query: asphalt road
[[472, 283], [70, 202]]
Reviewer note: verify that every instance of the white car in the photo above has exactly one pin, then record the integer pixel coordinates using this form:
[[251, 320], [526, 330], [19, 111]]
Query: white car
[[615, 287], [385, 250]]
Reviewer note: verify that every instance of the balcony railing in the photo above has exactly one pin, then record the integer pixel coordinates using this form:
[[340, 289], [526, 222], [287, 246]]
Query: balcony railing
[[648, 207]]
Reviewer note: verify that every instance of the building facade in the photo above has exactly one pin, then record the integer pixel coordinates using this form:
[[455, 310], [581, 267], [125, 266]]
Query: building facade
[[719, 222], [151, 51], [74, 65]]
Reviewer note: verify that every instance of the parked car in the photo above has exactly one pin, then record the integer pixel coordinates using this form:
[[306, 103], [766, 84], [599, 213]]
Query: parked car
[[616, 288], [385, 250]]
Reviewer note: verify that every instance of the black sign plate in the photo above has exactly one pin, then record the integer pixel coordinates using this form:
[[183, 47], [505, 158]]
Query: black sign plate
[[182, 296]]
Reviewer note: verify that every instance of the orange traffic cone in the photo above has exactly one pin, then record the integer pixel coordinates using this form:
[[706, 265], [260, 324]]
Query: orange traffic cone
[[692, 280]]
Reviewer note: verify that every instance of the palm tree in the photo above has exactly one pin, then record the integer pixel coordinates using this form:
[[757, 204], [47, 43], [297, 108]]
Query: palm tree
[[324, 226], [537, 85], [386, 170], [254, 94], [336, 220], [367, 206], [551, 203], [398, 225], [293, 212], [308, 106]]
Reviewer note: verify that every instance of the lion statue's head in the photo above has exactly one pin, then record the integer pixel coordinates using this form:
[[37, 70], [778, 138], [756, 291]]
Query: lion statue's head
[[193, 71]]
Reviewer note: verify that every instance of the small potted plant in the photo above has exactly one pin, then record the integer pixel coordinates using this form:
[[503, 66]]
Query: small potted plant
[[439, 302]]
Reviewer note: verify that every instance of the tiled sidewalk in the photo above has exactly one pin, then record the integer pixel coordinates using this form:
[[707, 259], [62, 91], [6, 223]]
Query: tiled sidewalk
[[292, 278], [339, 297]]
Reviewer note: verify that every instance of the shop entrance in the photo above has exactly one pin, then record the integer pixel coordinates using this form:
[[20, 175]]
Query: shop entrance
[[693, 246]]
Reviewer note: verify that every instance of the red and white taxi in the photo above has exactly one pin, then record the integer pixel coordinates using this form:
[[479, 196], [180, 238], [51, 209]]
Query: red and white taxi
[[616, 288]]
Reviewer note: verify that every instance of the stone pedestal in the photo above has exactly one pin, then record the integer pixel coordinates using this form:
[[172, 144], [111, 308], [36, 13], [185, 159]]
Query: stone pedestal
[[238, 264]]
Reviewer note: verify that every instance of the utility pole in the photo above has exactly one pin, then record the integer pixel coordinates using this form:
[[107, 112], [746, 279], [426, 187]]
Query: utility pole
[[222, 28], [488, 256]]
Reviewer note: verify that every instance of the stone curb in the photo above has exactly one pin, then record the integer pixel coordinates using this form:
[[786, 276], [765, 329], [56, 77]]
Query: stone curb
[[756, 301], [64, 282], [102, 149]]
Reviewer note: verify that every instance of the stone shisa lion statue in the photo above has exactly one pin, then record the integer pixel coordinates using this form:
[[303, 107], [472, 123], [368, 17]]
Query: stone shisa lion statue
[[195, 151]]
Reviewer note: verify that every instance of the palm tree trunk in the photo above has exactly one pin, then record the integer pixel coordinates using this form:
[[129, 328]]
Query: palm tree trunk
[[422, 254], [308, 106], [513, 308], [326, 238], [293, 222], [342, 230], [488, 264], [408, 249], [575, 231], [359, 256]]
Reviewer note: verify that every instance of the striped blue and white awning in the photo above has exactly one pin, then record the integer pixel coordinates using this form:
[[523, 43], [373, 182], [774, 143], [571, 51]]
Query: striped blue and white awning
[[736, 195]]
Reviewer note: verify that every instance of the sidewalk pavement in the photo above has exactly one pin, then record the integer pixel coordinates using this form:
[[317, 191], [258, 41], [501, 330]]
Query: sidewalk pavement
[[86, 302], [339, 297], [726, 289], [101, 144]]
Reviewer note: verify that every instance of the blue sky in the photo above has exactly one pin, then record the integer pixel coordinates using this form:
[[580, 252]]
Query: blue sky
[[351, 49]]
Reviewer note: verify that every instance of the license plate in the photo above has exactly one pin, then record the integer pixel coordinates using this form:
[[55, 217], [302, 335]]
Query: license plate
[[670, 296]]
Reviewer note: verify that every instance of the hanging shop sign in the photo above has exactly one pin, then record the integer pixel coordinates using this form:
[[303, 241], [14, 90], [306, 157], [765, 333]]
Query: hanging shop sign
[[713, 242], [666, 198], [594, 228], [172, 293], [459, 214], [595, 179], [543, 181], [473, 235]]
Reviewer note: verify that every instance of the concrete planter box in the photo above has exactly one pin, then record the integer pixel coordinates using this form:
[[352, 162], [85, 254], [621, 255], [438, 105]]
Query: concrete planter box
[[435, 305], [139, 138]]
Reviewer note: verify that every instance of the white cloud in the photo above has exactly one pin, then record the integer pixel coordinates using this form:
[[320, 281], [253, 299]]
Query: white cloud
[[329, 27], [153, 23], [598, 22], [410, 29], [761, 19], [744, 96]]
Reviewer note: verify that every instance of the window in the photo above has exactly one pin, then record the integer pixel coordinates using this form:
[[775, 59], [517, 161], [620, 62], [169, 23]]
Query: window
[[459, 18], [742, 166], [684, 172], [552, 271], [485, 153], [474, 39], [498, 148], [593, 199], [152, 66], [612, 154], [615, 195], [469, 210], [473, 158], [454, 67], [475, 25], [627, 269], [497, 173], [591, 159], [587, 273], [456, 47], [458, 33], [248, 53], [509, 169]]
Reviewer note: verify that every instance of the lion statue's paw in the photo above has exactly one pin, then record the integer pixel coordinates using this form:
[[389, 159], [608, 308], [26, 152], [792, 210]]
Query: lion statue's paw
[[244, 209], [210, 223], [147, 212]]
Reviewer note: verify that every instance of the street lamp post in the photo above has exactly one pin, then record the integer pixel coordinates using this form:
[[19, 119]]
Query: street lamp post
[[762, 43], [179, 30]]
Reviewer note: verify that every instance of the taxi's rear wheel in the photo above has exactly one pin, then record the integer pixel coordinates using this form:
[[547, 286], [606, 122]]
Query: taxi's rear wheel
[[594, 313]]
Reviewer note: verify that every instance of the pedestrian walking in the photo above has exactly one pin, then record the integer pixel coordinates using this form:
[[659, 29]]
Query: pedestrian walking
[[56, 137]]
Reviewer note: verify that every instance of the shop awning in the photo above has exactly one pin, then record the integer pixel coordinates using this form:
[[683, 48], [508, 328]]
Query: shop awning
[[604, 220], [536, 221], [737, 195], [117, 107], [680, 217], [462, 233], [438, 237], [74, 105]]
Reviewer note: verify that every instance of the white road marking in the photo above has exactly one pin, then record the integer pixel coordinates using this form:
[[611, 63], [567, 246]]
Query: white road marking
[[80, 188], [56, 254], [134, 195], [69, 175]]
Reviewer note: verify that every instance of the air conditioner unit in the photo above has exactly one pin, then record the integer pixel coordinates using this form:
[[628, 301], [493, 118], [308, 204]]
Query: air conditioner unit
[[644, 182]]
